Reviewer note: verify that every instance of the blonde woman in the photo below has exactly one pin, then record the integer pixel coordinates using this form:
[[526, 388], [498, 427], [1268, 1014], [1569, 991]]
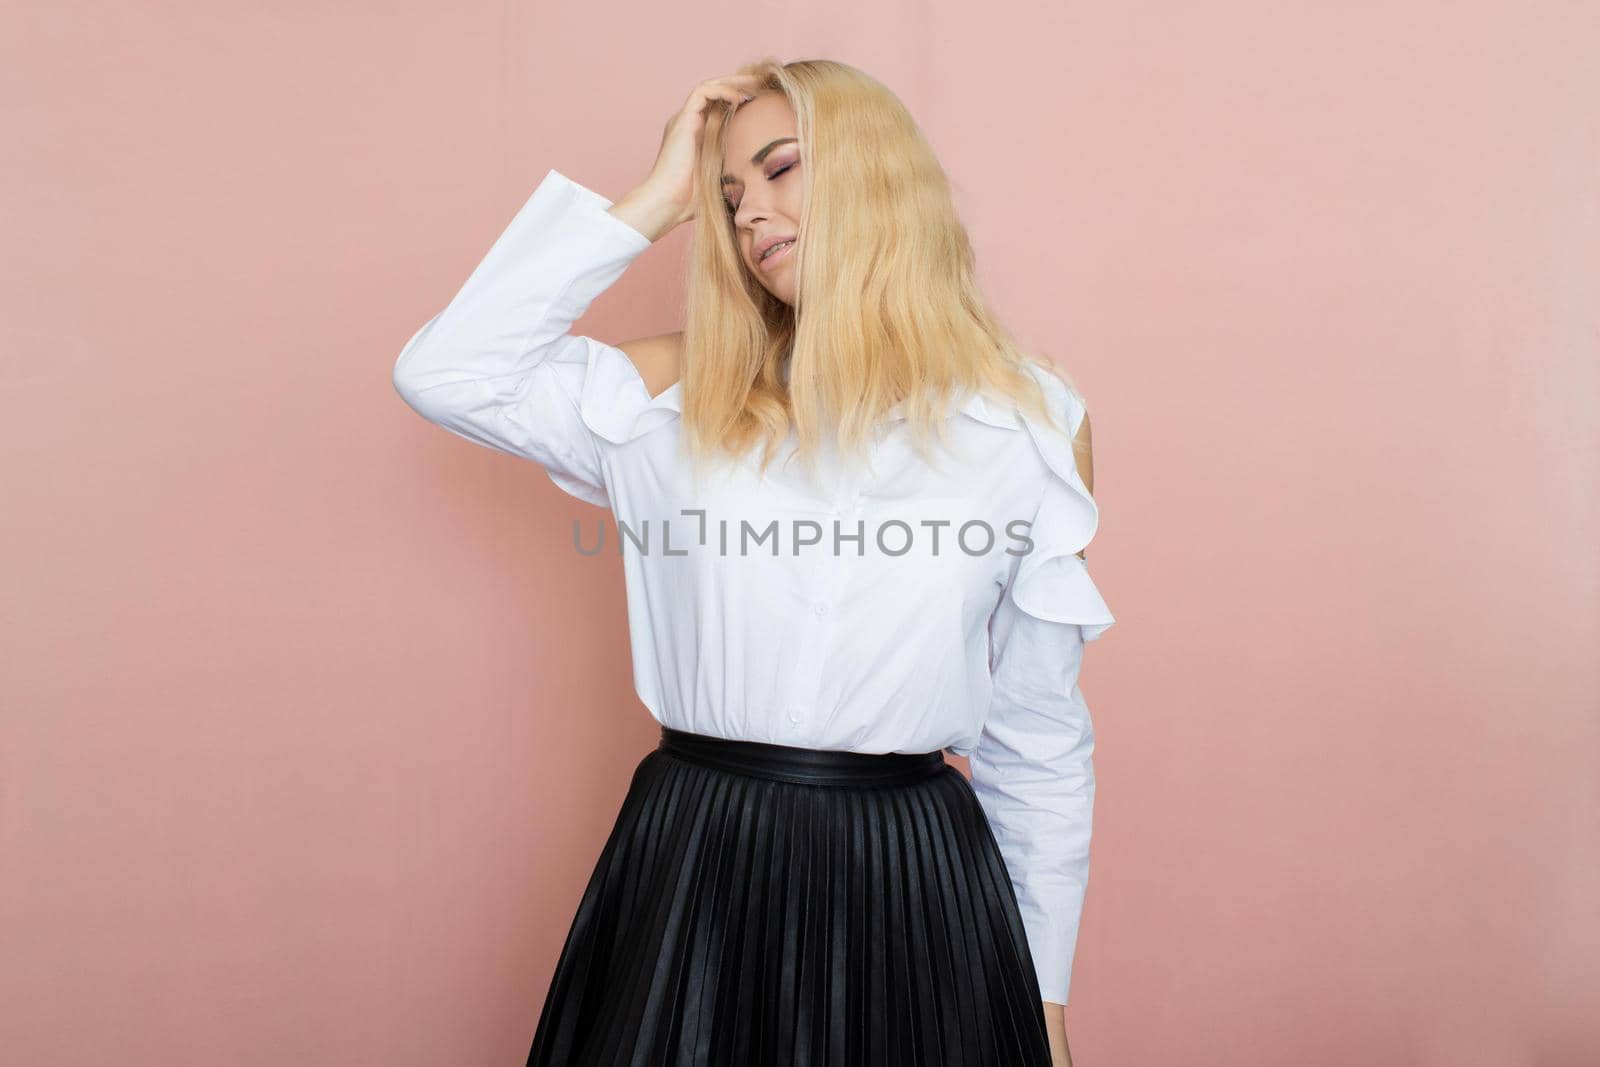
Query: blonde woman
[[854, 516]]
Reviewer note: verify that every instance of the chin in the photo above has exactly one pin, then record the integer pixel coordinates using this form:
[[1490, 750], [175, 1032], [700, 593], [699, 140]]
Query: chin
[[780, 291]]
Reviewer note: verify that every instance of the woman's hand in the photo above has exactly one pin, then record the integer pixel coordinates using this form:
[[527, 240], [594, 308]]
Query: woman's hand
[[668, 196], [1055, 1021]]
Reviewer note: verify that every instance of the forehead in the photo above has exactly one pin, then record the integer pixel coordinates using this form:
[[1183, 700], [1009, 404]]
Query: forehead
[[755, 124]]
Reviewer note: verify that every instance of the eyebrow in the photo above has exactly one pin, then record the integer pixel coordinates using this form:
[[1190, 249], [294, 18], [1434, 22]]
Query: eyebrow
[[728, 179]]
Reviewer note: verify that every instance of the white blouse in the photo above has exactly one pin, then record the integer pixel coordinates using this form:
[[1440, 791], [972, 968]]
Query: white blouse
[[892, 608]]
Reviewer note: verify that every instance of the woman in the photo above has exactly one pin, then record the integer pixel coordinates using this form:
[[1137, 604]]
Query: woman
[[796, 875]]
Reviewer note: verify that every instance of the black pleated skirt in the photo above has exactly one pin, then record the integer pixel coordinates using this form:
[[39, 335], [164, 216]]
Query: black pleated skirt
[[761, 905]]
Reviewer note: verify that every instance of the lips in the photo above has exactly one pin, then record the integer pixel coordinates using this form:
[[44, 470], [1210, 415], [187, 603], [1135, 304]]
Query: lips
[[770, 263], [767, 242]]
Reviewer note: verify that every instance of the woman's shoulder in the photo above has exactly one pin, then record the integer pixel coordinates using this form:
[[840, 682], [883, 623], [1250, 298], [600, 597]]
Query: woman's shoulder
[[625, 391], [1062, 400], [1052, 581], [658, 359]]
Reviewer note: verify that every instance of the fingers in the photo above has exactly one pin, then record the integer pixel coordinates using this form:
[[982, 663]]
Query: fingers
[[734, 88]]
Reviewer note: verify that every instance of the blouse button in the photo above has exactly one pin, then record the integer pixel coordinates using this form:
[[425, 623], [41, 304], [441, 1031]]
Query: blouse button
[[821, 608], [794, 714]]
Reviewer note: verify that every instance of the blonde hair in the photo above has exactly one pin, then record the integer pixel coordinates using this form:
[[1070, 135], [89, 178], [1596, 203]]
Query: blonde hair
[[887, 306]]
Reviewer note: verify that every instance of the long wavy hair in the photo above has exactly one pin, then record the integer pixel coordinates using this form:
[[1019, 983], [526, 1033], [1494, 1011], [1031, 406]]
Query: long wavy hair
[[887, 307]]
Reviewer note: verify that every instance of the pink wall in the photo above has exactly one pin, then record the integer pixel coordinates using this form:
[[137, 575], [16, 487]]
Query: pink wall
[[313, 723]]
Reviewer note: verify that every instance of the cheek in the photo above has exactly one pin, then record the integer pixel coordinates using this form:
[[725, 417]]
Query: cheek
[[794, 198]]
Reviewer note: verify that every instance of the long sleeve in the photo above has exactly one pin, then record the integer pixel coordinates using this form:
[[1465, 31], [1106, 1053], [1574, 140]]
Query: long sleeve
[[1034, 776], [498, 366], [1032, 767]]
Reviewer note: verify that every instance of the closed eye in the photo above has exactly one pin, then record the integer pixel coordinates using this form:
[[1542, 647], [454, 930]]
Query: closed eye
[[771, 177]]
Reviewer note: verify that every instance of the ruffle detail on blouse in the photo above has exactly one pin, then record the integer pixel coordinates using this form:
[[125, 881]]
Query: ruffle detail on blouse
[[615, 403], [1052, 583]]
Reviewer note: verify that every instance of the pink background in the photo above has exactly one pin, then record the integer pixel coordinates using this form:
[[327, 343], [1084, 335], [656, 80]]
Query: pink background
[[314, 722]]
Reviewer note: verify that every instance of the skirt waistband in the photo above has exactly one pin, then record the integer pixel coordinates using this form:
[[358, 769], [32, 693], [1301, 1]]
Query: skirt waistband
[[809, 766]]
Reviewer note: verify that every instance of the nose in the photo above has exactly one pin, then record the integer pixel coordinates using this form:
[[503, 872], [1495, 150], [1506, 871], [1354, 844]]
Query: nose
[[752, 209]]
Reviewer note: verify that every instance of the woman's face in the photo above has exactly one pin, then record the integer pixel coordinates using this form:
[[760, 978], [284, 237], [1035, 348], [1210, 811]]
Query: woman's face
[[764, 188]]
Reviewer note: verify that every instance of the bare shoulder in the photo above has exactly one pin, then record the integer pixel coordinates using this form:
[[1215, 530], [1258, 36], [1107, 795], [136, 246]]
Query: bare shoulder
[[658, 359], [1059, 393], [1083, 449]]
